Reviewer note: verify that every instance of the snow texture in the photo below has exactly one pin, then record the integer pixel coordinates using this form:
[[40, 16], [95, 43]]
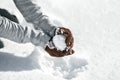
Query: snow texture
[[95, 24], [59, 42]]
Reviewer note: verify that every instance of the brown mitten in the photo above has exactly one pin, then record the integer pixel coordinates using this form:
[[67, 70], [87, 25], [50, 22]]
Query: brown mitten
[[69, 42]]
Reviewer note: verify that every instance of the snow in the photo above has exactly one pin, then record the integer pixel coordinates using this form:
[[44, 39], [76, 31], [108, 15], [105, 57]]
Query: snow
[[59, 42], [95, 26]]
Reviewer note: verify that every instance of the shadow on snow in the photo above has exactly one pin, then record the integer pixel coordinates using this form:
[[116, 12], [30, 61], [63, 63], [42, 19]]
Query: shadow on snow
[[10, 62]]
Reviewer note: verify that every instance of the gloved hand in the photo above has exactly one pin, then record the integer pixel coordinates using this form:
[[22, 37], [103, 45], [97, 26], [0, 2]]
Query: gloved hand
[[69, 42]]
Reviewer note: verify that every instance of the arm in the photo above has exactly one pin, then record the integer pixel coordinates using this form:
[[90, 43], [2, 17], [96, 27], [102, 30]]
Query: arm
[[33, 14], [20, 34]]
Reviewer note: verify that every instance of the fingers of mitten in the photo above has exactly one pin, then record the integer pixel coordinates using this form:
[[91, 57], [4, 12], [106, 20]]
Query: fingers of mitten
[[69, 41], [54, 52], [73, 51], [62, 30], [70, 52], [65, 31]]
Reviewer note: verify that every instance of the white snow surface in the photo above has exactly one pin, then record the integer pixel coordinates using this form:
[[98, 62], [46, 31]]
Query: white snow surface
[[59, 42], [96, 28]]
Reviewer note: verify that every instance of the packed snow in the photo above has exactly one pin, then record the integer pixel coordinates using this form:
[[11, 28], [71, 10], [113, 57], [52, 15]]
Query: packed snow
[[96, 28], [59, 42]]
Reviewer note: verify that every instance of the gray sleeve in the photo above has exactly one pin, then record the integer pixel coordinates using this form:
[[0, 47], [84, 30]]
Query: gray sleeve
[[15, 32], [32, 13]]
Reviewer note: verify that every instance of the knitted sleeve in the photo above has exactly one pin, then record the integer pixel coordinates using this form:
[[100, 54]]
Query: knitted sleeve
[[15, 32], [33, 14]]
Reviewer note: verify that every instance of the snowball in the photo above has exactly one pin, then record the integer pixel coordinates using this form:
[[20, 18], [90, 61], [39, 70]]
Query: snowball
[[59, 42]]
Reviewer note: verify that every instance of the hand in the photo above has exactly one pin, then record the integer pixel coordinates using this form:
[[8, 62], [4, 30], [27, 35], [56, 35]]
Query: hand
[[69, 42]]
